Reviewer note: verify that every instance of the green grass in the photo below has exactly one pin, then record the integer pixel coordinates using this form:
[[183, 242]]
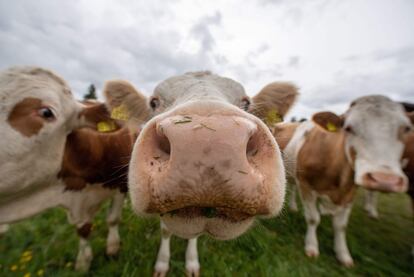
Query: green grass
[[273, 247]]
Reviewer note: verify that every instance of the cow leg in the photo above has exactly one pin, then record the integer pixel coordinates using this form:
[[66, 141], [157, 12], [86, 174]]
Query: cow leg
[[112, 219], [163, 257], [81, 214], [192, 264], [370, 205], [84, 258], [293, 205], [313, 218], [340, 222]]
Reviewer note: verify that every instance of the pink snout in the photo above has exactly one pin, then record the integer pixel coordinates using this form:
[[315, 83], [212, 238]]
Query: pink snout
[[222, 166], [385, 182]]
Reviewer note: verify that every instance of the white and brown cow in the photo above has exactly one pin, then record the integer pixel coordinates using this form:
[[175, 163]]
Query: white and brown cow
[[205, 162], [333, 155], [47, 160]]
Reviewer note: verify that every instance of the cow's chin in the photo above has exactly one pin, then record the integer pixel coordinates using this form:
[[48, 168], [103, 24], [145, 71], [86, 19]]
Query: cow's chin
[[216, 227]]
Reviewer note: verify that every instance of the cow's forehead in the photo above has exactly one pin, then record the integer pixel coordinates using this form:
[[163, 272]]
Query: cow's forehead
[[375, 108], [20, 82], [198, 85]]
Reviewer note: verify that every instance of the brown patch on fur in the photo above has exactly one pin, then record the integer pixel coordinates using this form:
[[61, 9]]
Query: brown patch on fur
[[277, 96], [322, 167], [24, 118], [85, 230], [93, 157], [283, 133]]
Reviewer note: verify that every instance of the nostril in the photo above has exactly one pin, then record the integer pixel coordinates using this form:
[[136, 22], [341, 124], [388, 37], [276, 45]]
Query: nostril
[[164, 145], [253, 145], [400, 182], [369, 177], [162, 141], [386, 178]]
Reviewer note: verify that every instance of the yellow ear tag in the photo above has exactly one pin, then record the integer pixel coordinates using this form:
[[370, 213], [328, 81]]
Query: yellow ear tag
[[105, 126], [273, 117], [120, 113], [331, 127]]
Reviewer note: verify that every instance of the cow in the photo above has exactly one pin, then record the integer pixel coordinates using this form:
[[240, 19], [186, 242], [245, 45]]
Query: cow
[[370, 201], [52, 155], [334, 155], [205, 161]]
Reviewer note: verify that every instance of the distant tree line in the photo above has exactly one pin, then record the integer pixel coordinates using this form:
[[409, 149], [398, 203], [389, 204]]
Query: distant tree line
[[91, 94]]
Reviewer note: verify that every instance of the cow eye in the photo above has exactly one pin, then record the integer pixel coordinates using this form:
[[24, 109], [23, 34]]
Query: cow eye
[[46, 113], [349, 129], [407, 129], [154, 103], [245, 104]]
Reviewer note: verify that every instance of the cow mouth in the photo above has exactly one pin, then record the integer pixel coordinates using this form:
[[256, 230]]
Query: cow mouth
[[224, 213]]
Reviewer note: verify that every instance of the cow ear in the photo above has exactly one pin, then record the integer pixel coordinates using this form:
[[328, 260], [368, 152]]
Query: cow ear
[[125, 102], [410, 116], [96, 116], [273, 102], [328, 121]]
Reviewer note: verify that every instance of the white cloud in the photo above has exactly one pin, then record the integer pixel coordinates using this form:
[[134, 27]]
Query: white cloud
[[334, 50]]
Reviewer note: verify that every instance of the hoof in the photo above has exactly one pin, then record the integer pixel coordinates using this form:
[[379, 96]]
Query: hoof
[[348, 263], [312, 252], [193, 273], [112, 249], [159, 273], [294, 208], [373, 215], [82, 266], [193, 270]]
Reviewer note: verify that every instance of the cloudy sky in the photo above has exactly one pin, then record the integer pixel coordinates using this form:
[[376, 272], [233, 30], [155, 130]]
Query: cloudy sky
[[333, 50]]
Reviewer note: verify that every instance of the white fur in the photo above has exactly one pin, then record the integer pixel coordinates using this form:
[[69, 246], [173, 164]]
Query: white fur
[[340, 222], [312, 218], [84, 258], [112, 220]]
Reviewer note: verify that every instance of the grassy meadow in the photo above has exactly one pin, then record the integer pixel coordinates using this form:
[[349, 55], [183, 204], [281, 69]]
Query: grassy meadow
[[46, 245]]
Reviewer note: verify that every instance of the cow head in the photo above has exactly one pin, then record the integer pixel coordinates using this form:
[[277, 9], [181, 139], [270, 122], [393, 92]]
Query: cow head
[[203, 161], [37, 111], [374, 128]]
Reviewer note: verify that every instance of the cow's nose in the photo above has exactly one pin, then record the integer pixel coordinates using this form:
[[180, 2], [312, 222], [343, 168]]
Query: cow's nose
[[196, 137], [219, 165], [387, 182]]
